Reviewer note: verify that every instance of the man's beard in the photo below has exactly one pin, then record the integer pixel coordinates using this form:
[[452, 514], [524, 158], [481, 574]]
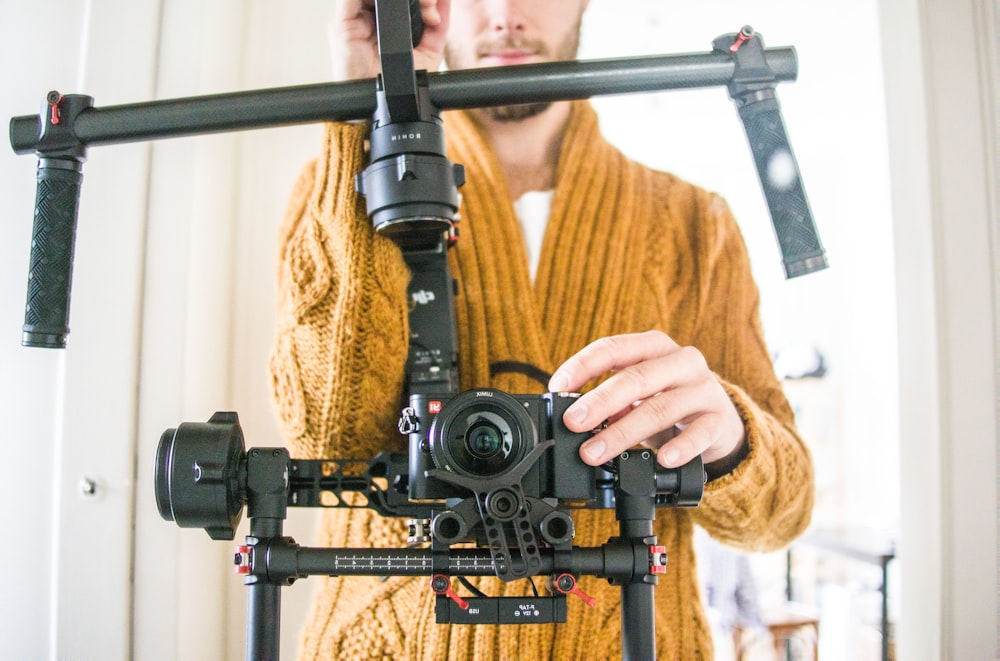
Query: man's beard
[[564, 51], [516, 113]]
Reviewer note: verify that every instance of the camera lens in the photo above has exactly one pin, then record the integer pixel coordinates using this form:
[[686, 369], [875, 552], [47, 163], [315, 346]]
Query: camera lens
[[481, 433], [484, 440]]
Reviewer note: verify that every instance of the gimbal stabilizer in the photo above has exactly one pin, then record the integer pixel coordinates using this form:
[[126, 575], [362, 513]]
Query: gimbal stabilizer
[[69, 124], [204, 477], [504, 478]]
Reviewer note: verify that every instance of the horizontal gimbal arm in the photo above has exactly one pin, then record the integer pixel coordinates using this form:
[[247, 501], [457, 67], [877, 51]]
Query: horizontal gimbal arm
[[355, 99], [280, 561]]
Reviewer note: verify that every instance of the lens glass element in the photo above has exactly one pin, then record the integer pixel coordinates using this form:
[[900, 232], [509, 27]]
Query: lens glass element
[[482, 443], [481, 434], [484, 440]]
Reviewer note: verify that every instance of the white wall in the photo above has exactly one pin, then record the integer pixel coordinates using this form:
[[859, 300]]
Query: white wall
[[172, 293], [29, 422], [215, 205], [171, 320], [942, 70], [70, 417]]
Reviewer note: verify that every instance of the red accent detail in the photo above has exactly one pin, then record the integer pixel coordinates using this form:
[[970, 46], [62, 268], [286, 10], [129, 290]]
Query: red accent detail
[[434, 406], [448, 592], [587, 599], [243, 553], [54, 105], [742, 36], [657, 559]]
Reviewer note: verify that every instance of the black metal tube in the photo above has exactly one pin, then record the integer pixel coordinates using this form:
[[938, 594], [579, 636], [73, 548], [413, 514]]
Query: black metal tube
[[263, 622], [638, 622], [263, 603], [310, 561], [638, 605], [560, 81], [356, 99], [635, 509]]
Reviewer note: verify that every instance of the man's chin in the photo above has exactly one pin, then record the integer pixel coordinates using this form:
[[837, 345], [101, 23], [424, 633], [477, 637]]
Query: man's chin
[[516, 113]]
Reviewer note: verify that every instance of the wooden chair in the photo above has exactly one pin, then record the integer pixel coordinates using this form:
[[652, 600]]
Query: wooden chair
[[791, 621]]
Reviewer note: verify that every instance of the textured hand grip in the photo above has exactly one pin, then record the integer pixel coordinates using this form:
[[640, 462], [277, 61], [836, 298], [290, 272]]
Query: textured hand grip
[[798, 239], [50, 271]]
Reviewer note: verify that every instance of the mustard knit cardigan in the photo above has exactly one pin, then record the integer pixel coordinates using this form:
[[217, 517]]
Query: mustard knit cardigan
[[627, 249]]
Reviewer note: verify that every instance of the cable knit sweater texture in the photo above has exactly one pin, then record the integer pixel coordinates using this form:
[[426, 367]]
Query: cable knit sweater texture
[[627, 249]]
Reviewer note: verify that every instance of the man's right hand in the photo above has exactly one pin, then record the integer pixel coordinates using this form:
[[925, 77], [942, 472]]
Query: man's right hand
[[354, 41]]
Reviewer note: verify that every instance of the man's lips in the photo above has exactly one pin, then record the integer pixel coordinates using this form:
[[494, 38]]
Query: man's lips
[[508, 56]]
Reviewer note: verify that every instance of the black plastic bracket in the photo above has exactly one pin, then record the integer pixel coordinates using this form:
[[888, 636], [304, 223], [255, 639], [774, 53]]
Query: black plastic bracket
[[752, 75]]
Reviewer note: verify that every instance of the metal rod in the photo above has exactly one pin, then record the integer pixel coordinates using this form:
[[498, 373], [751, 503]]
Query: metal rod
[[356, 99], [419, 562], [635, 510], [638, 611], [263, 603]]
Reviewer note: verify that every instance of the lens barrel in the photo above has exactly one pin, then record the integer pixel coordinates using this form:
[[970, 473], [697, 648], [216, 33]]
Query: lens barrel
[[482, 433]]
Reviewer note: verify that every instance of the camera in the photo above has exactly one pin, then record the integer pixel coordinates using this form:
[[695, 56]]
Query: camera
[[483, 437]]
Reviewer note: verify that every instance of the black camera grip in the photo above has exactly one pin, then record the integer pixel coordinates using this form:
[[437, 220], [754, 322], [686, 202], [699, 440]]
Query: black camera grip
[[801, 249], [50, 270]]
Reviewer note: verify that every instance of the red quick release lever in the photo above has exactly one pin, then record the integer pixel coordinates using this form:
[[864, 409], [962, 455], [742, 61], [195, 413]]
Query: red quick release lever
[[441, 585], [53, 98], [566, 583], [242, 559], [657, 559], [746, 33]]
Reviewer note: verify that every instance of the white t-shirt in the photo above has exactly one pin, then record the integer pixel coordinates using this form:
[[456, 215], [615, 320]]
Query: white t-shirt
[[532, 211]]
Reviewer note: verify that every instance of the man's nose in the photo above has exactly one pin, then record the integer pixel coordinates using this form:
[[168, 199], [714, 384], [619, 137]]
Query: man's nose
[[506, 15]]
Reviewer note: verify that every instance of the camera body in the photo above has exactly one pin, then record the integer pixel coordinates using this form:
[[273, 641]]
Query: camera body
[[485, 433]]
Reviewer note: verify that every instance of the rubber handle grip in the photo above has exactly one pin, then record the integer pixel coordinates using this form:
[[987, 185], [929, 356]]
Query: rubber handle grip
[[798, 239], [50, 270]]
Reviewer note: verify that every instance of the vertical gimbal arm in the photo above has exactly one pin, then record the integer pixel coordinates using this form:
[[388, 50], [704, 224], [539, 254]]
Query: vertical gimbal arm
[[752, 89], [53, 235]]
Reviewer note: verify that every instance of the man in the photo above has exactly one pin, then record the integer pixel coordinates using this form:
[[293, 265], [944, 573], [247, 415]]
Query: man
[[572, 259]]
